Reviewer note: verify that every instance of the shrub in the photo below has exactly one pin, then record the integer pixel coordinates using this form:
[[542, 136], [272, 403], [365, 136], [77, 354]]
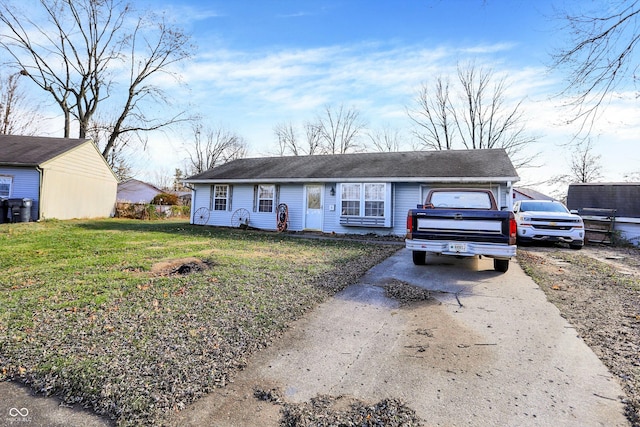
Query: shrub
[[165, 199]]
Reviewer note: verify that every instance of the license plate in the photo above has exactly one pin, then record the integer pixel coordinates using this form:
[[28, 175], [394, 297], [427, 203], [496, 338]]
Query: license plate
[[457, 247]]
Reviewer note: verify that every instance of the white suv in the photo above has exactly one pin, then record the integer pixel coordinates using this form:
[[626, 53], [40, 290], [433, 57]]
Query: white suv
[[548, 221]]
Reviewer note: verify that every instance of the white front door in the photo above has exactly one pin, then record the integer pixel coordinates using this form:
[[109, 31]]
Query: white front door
[[313, 207]]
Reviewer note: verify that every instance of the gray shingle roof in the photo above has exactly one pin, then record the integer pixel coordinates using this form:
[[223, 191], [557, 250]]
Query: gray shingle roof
[[463, 164], [532, 194], [18, 150]]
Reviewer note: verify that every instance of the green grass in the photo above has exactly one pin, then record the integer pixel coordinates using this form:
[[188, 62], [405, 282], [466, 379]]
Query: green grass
[[84, 314]]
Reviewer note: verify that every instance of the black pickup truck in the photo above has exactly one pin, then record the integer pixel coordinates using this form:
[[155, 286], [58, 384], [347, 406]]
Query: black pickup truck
[[462, 222]]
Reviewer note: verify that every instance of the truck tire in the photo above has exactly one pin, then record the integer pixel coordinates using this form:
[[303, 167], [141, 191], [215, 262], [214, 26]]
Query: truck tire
[[419, 257], [501, 265]]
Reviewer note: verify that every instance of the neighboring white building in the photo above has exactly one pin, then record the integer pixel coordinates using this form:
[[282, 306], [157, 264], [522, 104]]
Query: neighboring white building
[[356, 193], [135, 191], [65, 178]]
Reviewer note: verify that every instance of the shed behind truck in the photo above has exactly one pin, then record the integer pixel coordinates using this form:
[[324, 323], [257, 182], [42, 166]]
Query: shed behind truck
[[608, 209]]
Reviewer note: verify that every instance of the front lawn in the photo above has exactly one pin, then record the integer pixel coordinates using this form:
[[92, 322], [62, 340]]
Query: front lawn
[[138, 319]]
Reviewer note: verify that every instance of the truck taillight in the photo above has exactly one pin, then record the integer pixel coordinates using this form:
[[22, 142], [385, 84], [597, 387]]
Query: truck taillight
[[513, 230], [409, 224]]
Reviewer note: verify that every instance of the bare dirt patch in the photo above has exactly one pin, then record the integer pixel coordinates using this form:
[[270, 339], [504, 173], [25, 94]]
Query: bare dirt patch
[[180, 266], [597, 290]]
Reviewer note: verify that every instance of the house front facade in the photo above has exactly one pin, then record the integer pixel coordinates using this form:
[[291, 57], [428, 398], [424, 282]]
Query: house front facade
[[358, 193], [63, 178]]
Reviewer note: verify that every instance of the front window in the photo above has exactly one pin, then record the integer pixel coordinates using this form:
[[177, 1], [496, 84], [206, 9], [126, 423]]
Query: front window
[[5, 186], [363, 200], [374, 199], [351, 199], [220, 197], [265, 198]]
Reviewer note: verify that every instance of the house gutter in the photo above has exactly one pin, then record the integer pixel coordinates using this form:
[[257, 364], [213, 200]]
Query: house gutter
[[456, 180]]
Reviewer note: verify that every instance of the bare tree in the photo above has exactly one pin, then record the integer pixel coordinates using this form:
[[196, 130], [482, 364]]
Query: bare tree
[[18, 116], [476, 116], [75, 55], [162, 47], [178, 177], [585, 165], [486, 120], [287, 139], [290, 144], [339, 130], [385, 139], [434, 118], [212, 147], [599, 55], [314, 135], [632, 176]]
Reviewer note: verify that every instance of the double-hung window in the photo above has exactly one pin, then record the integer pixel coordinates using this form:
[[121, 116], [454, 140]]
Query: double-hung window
[[365, 204], [265, 198], [351, 199], [5, 186], [374, 195], [363, 199], [220, 197]]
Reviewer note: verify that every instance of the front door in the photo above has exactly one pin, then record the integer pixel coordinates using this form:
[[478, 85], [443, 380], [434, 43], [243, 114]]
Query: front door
[[313, 207]]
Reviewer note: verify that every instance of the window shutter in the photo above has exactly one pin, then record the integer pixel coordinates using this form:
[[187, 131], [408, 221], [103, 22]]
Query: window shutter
[[255, 198], [230, 196], [212, 195]]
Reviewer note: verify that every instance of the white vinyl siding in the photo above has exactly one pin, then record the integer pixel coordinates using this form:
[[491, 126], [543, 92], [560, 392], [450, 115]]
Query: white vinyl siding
[[398, 199]]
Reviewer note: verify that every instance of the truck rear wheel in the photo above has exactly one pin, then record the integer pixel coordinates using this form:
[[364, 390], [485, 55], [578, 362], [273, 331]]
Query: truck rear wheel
[[501, 265], [419, 257]]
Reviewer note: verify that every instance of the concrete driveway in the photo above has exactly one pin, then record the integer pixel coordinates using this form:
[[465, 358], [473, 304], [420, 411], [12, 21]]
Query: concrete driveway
[[489, 351]]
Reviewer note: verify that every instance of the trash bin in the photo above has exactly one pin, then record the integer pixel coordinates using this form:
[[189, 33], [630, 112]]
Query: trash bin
[[20, 209], [4, 210], [25, 210]]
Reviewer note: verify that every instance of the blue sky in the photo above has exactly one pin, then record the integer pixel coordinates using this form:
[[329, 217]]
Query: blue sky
[[260, 63]]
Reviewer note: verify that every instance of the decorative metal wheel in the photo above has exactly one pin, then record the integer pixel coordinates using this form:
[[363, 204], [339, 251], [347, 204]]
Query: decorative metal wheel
[[240, 218], [282, 217], [201, 217]]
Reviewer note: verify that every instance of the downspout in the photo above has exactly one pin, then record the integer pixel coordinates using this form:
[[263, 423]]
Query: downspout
[[40, 193], [193, 200]]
